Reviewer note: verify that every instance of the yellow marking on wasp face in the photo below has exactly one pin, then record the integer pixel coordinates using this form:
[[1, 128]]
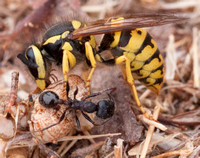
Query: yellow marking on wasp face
[[136, 65], [65, 34], [155, 63], [76, 24], [157, 74], [72, 59], [129, 55], [52, 39], [41, 67], [116, 39], [41, 84], [67, 46], [147, 52], [135, 41]]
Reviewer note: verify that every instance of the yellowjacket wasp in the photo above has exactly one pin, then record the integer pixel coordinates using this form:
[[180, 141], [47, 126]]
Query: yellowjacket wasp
[[70, 42]]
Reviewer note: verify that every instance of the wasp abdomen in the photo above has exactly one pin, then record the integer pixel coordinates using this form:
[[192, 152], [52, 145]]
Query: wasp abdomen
[[141, 50]]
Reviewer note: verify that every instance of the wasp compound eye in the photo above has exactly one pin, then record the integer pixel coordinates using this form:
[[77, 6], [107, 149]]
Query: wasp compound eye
[[48, 99], [106, 109]]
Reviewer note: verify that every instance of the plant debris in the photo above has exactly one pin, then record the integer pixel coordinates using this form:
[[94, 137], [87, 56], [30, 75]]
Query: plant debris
[[126, 134]]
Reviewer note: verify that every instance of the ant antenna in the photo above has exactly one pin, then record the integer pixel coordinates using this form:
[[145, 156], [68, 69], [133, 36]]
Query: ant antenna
[[98, 93]]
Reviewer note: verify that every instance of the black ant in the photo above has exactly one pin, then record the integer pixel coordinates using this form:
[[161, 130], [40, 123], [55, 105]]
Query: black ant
[[104, 109]]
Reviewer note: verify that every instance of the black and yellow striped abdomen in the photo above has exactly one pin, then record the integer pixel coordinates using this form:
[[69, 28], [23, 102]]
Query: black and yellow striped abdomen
[[141, 50]]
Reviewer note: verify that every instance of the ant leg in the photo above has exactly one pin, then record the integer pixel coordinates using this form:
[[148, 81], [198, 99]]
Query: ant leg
[[131, 82], [90, 56], [78, 122], [65, 65], [88, 118], [61, 118]]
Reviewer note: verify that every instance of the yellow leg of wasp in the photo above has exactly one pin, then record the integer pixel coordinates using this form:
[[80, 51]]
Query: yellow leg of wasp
[[65, 64], [90, 56], [123, 70], [131, 82]]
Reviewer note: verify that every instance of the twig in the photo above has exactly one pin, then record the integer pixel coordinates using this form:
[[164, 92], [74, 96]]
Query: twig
[[88, 134], [152, 123], [64, 143], [13, 92], [150, 133], [110, 154], [87, 150], [118, 149], [89, 137], [171, 59], [173, 153], [194, 51], [68, 147]]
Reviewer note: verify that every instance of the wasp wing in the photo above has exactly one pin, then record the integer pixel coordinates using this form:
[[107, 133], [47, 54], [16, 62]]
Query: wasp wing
[[127, 23]]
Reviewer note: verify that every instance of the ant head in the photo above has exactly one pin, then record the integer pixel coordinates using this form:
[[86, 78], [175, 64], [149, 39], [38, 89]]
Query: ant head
[[106, 109], [49, 99]]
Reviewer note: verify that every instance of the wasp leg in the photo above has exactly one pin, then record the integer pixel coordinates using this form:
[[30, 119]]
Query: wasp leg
[[65, 64], [54, 78], [123, 70], [131, 82], [68, 62], [91, 58]]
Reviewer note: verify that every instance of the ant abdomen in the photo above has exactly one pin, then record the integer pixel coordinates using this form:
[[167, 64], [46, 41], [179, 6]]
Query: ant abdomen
[[106, 109]]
